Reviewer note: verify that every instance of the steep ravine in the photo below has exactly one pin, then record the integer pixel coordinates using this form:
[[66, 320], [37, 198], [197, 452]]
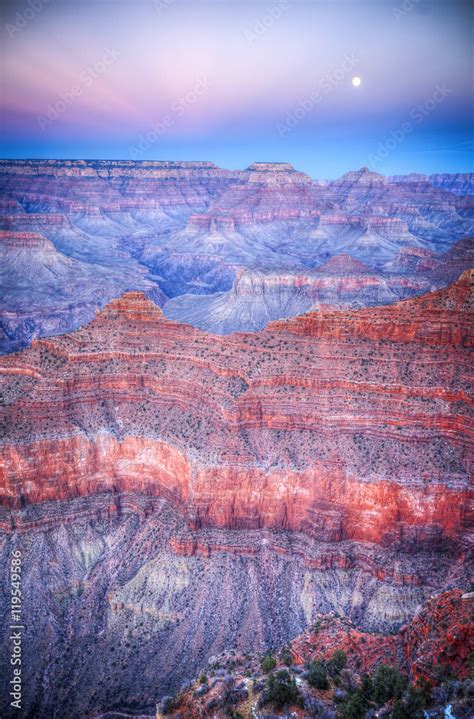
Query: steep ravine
[[123, 603]]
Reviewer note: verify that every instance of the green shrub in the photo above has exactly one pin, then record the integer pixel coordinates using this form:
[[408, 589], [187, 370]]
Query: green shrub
[[317, 675], [337, 662], [411, 706], [268, 663], [354, 707], [286, 657], [388, 684], [385, 685], [281, 690], [202, 678]]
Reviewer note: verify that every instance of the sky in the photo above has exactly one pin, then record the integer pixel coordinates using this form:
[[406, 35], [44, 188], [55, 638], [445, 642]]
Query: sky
[[240, 81]]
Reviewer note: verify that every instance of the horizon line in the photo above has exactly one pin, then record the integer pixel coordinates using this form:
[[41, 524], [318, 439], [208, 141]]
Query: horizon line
[[219, 167]]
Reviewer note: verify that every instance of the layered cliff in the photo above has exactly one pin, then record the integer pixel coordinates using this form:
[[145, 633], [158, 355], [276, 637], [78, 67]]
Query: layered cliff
[[258, 297], [192, 228], [315, 424], [123, 603], [175, 493], [338, 671]]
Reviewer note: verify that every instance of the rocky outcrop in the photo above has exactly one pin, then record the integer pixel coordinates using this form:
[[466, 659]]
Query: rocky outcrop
[[236, 681], [190, 228], [258, 297], [343, 425], [434, 644]]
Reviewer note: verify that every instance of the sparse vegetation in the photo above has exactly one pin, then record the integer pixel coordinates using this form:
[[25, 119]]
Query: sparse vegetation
[[281, 690], [268, 663], [317, 675]]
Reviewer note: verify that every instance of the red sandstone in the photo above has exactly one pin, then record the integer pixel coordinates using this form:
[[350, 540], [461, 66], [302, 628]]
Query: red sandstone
[[337, 424]]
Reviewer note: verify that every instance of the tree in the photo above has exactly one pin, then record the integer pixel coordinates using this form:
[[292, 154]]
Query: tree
[[268, 663], [388, 684], [317, 675], [281, 690]]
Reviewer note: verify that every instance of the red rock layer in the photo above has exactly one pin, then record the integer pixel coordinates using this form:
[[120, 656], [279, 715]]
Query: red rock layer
[[440, 639], [364, 650], [343, 425], [320, 555], [436, 643], [24, 240]]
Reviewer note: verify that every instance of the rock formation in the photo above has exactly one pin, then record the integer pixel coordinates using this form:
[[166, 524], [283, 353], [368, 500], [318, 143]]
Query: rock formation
[[175, 493], [258, 297], [313, 425], [431, 648], [180, 229]]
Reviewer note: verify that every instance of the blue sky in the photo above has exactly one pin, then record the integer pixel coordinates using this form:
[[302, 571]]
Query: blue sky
[[240, 81]]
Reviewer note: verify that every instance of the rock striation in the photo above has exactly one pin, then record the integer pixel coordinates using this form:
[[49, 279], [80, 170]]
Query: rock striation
[[258, 297], [314, 424], [178, 230], [435, 645]]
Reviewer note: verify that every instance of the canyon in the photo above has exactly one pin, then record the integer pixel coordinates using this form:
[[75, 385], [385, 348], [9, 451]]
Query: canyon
[[255, 430], [224, 250], [188, 492], [235, 404]]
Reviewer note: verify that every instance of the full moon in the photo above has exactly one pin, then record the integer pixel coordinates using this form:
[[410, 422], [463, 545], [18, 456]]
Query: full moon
[[356, 81]]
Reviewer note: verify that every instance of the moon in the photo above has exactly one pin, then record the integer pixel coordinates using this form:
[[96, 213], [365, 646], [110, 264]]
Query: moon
[[356, 81]]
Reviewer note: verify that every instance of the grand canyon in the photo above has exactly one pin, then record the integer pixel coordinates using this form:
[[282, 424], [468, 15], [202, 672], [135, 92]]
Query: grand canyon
[[236, 424]]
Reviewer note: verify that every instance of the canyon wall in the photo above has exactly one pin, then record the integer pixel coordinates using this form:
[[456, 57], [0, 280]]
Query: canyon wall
[[124, 603], [174, 492], [315, 424], [190, 234]]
